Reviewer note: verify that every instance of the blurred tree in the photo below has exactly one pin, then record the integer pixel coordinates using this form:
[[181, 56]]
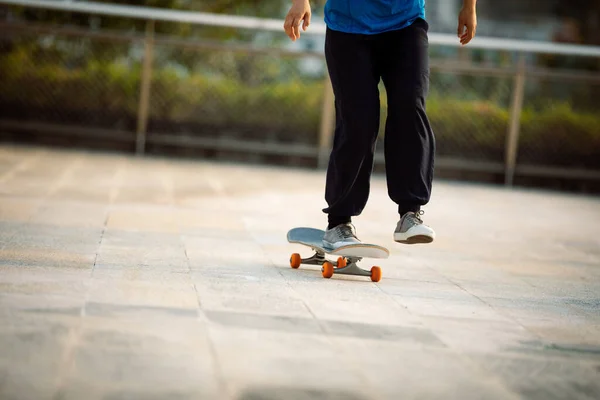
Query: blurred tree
[[585, 15], [579, 24], [273, 9], [190, 60]]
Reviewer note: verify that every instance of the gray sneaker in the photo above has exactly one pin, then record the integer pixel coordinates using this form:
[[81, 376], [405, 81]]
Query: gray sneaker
[[341, 235], [412, 230]]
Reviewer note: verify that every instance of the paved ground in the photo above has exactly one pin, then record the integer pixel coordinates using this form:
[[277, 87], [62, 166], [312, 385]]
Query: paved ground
[[125, 278]]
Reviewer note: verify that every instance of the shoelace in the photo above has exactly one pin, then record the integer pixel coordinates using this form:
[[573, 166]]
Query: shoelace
[[346, 232], [416, 216]]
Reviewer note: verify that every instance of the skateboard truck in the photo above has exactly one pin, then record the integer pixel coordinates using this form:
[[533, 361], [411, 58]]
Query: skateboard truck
[[316, 259], [343, 265], [351, 267], [348, 255]]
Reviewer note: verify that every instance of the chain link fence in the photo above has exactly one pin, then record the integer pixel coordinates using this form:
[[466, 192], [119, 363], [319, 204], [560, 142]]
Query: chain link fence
[[223, 98], [236, 94], [560, 125], [467, 114], [53, 79]]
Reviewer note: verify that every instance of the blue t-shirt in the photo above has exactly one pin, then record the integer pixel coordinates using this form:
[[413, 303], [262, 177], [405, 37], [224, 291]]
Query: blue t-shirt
[[372, 16]]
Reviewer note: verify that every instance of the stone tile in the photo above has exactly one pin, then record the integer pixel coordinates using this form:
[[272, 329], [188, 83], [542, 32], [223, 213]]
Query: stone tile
[[396, 371], [137, 311], [241, 291], [65, 213], [37, 304], [129, 239], [17, 209], [114, 363], [150, 220], [298, 392], [82, 192], [125, 272], [21, 186], [574, 351], [7, 231], [478, 336], [409, 269], [201, 220], [31, 358], [220, 233], [537, 308], [276, 304], [246, 320], [44, 282], [432, 290], [472, 308], [188, 287], [535, 378], [351, 299], [83, 240], [552, 318], [143, 293], [10, 159], [26, 382], [511, 289], [401, 334], [267, 361], [78, 390], [199, 247], [147, 193], [172, 259], [124, 250], [582, 333], [45, 258]]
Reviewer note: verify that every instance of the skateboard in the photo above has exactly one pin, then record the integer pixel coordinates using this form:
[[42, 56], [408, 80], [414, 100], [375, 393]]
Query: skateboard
[[348, 256]]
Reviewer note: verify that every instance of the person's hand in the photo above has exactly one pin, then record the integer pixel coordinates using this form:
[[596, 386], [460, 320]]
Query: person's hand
[[467, 24], [300, 11]]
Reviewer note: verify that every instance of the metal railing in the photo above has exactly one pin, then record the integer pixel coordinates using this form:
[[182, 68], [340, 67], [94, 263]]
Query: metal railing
[[511, 81]]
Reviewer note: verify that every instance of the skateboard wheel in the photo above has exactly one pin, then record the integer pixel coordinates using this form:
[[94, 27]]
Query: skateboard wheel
[[375, 274], [295, 260], [327, 269], [341, 262]]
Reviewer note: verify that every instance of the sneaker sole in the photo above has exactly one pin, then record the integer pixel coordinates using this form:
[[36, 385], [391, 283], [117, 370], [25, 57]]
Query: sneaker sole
[[418, 239]]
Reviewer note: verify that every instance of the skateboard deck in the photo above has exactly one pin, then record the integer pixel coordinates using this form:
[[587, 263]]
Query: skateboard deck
[[348, 256]]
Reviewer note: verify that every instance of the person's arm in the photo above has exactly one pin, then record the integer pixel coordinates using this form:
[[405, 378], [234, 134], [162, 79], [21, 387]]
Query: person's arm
[[467, 21], [300, 11]]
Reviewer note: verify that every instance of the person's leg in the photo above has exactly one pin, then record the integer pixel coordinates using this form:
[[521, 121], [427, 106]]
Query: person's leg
[[355, 80], [409, 140]]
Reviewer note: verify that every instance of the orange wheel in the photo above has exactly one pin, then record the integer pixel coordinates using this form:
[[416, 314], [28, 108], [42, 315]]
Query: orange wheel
[[341, 262], [327, 269], [375, 274], [295, 260]]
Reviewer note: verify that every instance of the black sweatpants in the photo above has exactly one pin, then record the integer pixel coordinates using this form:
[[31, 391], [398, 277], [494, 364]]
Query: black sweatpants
[[356, 63]]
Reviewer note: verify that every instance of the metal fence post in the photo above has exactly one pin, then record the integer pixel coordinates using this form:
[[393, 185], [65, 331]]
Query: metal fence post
[[327, 123], [145, 83], [512, 138]]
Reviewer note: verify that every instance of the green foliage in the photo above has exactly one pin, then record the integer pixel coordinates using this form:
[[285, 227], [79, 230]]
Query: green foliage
[[472, 128], [288, 108], [257, 8], [287, 111], [559, 135]]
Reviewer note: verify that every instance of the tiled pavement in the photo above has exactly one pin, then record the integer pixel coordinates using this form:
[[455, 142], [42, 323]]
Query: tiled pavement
[[146, 278]]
